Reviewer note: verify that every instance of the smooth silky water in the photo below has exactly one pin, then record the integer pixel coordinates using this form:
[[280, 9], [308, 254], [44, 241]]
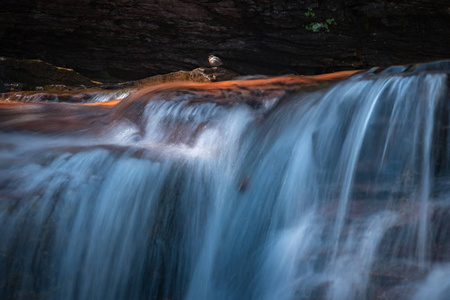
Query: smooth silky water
[[339, 193]]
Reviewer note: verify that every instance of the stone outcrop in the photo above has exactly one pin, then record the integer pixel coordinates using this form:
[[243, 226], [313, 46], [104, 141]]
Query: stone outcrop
[[30, 74], [196, 75], [132, 39], [54, 84]]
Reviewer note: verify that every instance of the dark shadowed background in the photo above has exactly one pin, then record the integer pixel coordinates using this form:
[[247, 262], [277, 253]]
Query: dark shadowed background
[[130, 39]]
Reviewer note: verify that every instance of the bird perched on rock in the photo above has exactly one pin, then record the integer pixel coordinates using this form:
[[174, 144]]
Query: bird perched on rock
[[214, 61]]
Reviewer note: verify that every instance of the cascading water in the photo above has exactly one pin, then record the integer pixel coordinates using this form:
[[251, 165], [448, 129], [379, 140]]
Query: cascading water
[[334, 193]]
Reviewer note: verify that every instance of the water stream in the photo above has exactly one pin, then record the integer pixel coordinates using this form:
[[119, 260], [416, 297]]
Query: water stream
[[337, 193]]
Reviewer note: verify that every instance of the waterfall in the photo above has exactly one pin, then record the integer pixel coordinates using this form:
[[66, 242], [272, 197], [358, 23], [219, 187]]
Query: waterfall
[[337, 192]]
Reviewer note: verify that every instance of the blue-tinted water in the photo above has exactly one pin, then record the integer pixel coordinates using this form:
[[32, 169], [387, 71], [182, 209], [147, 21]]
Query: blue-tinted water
[[340, 193]]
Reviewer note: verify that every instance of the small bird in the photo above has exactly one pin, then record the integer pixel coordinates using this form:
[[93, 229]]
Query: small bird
[[214, 61]]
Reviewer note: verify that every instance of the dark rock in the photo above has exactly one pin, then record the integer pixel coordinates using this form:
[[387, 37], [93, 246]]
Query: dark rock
[[136, 39], [3, 88], [29, 74]]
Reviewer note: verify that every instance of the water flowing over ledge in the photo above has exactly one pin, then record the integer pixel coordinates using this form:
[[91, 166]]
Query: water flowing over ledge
[[330, 187]]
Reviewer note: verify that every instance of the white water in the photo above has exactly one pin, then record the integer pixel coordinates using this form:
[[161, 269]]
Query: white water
[[322, 197]]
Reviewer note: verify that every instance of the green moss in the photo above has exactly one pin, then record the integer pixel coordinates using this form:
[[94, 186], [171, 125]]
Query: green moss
[[323, 26]]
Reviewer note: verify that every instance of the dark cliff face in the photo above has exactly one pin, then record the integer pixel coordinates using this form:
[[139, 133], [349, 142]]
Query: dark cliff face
[[131, 39]]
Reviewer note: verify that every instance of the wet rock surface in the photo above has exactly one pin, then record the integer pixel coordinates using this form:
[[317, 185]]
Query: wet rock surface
[[34, 111], [136, 39], [37, 81]]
